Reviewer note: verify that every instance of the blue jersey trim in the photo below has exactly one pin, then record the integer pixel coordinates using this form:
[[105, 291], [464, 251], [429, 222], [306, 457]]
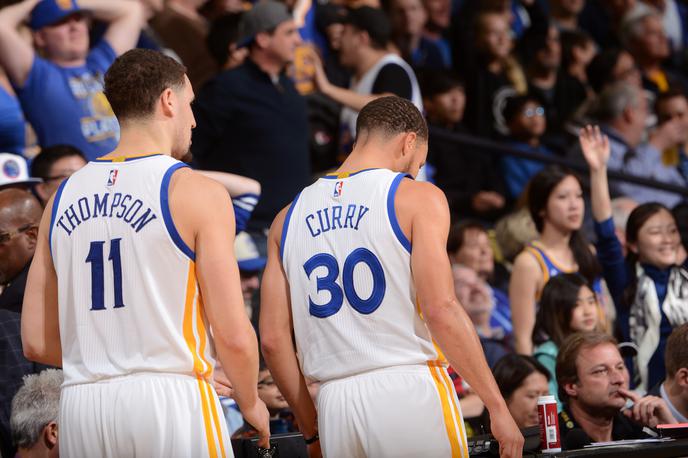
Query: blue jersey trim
[[339, 176], [53, 213], [285, 227], [167, 216], [125, 159], [392, 214]]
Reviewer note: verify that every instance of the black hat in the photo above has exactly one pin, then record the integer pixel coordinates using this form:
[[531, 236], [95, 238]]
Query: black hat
[[371, 20]]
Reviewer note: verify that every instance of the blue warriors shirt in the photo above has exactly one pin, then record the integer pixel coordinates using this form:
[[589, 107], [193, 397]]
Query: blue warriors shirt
[[66, 105]]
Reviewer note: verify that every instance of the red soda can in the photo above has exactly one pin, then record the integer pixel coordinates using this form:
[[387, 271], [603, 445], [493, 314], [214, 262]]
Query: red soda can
[[550, 440]]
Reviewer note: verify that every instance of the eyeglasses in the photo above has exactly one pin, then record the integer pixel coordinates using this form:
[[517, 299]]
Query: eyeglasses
[[537, 111], [7, 236]]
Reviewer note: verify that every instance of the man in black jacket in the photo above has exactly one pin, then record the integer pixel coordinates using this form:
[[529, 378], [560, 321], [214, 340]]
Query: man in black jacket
[[593, 384]]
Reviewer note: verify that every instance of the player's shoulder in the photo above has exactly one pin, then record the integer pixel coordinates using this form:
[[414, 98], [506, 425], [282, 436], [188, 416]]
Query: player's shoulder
[[193, 182], [194, 190], [420, 195]]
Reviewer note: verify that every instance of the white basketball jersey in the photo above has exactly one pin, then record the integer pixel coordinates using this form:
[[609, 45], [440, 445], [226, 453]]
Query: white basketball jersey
[[348, 264], [128, 296]]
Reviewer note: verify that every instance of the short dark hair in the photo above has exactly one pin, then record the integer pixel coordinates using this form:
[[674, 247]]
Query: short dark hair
[[567, 369], [437, 82], [391, 115], [457, 233], [514, 105], [43, 163], [512, 369], [672, 92], [224, 31], [571, 39], [676, 352], [600, 72], [137, 78]]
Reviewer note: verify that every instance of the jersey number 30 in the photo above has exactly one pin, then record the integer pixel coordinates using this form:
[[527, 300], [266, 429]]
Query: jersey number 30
[[96, 259], [328, 282]]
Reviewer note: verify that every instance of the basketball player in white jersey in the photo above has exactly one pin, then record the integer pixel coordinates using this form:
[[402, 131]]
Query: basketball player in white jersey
[[134, 286], [358, 264]]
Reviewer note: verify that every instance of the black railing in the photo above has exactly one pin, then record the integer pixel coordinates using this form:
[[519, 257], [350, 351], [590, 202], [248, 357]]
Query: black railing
[[480, 144]]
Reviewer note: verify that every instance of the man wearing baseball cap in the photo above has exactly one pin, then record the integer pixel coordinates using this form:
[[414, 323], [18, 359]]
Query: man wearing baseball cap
[[252, 121], [60, 90]]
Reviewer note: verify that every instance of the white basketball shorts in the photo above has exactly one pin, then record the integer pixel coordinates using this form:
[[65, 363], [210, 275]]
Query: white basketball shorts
[[143, 415], [402, 411]]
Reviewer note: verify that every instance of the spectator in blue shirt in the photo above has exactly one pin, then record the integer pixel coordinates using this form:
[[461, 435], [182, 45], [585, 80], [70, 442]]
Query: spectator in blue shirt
[[12, 127], [525, 117], [650, 286], [60, 86]]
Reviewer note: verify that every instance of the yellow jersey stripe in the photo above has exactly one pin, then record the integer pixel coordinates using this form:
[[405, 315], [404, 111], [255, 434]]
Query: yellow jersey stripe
[[203, 336], [457, 415], [216, 421], [447, 414], [209, 435], [441, 360], [187, 326]]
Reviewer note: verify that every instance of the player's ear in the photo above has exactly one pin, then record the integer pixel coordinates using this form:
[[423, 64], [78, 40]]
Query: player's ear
[[167, 102], [409, 142]]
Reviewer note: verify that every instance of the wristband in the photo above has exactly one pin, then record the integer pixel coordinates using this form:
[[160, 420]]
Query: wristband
[[313, 439]]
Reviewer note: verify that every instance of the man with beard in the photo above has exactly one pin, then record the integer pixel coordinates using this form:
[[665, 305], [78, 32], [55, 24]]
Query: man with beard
[[593, 385]]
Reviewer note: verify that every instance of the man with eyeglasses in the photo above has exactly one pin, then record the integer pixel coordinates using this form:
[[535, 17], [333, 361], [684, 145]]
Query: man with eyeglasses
[[20, 214], [53, 165]]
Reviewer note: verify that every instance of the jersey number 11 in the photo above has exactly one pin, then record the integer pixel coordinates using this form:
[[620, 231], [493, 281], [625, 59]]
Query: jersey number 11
[[96, 259]]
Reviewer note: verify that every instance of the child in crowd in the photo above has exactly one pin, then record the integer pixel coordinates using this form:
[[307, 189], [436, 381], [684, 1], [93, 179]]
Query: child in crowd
[[568, 304], [525, 117]]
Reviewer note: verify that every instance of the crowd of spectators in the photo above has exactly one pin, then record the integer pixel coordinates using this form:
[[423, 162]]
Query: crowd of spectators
[[555, 267]]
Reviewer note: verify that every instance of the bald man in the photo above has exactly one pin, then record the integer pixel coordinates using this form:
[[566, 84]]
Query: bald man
[[20, 213]]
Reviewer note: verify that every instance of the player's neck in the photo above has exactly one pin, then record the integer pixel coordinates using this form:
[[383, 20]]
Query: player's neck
[[362, 160], [137, 141]]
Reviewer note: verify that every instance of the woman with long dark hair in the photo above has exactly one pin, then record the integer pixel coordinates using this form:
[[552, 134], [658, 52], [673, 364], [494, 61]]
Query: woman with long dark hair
[[650, 286], [555, 201], [568, 305]]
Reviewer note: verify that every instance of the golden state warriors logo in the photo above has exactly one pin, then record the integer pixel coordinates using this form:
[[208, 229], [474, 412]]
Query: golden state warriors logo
[[64, 4], [11, 168]]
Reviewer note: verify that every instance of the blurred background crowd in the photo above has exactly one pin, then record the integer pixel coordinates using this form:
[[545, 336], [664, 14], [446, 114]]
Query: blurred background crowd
[[576, 285]]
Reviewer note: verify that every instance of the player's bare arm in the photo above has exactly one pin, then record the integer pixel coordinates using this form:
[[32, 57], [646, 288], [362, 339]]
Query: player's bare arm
[[39, 320], [423, 214], [203, 213], [276, 335]]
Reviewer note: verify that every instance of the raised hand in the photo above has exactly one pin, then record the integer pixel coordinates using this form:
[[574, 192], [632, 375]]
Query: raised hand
[[595, 147]]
